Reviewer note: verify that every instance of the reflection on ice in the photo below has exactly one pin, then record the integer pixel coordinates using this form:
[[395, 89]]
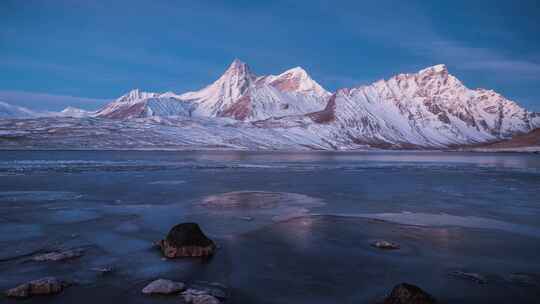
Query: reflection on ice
[[258, 200], [278, 206], [442, 219]]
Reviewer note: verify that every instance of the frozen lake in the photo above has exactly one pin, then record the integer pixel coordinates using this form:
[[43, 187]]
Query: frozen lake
[[291, 227]]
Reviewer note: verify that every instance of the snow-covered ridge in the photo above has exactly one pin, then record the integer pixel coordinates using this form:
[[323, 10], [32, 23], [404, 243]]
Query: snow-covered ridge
[[427, 109], [238, 94], [430, 108], [76, 112], [8, 111], [11, 111]]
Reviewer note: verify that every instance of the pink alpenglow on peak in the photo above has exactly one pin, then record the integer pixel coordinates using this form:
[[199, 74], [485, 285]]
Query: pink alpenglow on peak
[[297, 80]]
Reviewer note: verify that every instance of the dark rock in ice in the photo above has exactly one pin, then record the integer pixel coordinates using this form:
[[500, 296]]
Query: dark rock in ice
[[471, 276], [59, 255], [194, 296], [382, 244], [408, 294], [162, 286], [187, 240], [43, 286]]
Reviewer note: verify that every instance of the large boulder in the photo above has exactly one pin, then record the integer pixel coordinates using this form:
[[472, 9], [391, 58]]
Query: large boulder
[[186, 240], [162, 286], [43, 286], [408, 294]]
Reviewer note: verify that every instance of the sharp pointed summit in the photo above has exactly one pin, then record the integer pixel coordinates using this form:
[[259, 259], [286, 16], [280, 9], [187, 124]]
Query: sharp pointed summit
[[438, 68], [239, 69]]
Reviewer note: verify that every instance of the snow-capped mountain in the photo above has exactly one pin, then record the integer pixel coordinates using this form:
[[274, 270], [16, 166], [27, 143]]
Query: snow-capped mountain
[[11, 111], [237, 94], [296, 80], [75, 112], [430, 108], [240, 110], [241, 95], [136, 104]]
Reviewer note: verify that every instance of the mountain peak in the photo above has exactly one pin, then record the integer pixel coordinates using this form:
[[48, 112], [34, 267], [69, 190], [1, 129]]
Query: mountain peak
[[296, 71], [297, 80], [237, 61], [238, 67], [436, 69], [135, 95], [75, 112]]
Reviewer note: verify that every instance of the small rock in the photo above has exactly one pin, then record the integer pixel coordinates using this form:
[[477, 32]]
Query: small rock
[[408, 294], [194, 296], [205, 299], [187, 240], [471, 276], [43, 286], [381, 244], [162, 286], [103, 270], [58, 255]]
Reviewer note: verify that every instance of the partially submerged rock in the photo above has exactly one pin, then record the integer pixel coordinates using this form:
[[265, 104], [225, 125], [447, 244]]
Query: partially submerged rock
[[214, 289], [471, 276], [59, 255], [382, 244], [162, 286], [43, 286], [194, 296], [187, 240], [408, 294]]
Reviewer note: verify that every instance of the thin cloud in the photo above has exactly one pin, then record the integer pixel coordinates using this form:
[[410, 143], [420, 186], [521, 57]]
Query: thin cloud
[[44, 101]]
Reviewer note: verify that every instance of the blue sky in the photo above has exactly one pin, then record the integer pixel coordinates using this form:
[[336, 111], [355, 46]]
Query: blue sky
[[84, 53]]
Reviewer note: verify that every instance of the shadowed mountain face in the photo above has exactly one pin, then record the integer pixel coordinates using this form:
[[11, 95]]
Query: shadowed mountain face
[[427, 109]]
